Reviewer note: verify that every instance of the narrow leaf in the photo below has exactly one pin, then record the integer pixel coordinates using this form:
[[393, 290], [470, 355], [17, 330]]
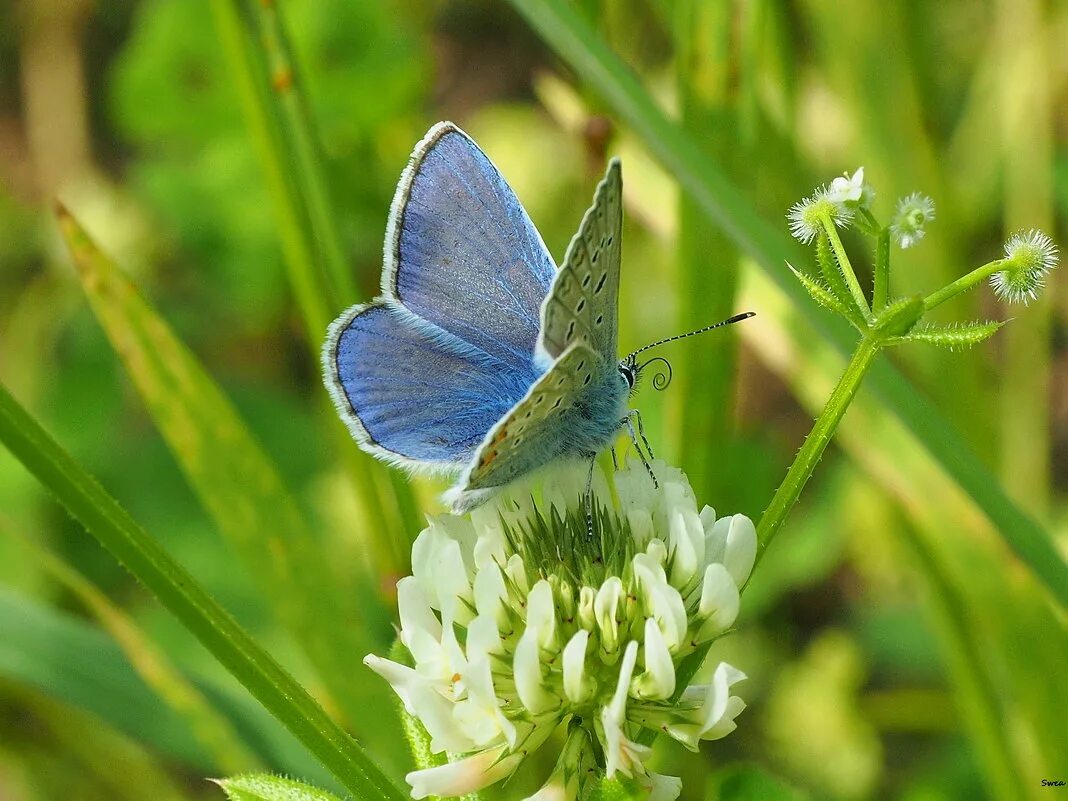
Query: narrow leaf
[[265, 787], [899, 317], [832, 272], [180, 593], [234, 479], [67, 659], [823, 295], [955, 336], [208, 726]]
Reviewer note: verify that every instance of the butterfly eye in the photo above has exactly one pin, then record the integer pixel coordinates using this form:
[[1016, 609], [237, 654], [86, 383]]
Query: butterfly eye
[[628, 375]]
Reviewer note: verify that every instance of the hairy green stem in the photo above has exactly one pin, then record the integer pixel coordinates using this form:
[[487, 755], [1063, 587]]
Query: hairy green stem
[[881, 292], [963, 284], [179, 592], [847, 266], [816, 443]]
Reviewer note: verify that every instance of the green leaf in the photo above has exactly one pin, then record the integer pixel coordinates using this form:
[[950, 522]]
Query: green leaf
[[954, 336], [832, 273], [180, 593], [208, 726], [575, 41], [823, 295], [265, 787], [899, 317], [68, 660], [746, 783], [234, 479]]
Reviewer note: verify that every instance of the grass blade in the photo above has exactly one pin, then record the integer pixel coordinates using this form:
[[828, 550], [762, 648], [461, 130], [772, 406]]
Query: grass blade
[[703, 36], [77, 664], [209, 728], [235, 481], [565, 31], [387, 501], [296, 126], [179, 592]]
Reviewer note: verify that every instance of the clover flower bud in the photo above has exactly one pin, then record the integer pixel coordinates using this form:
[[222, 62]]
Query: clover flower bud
[[1029, 257], [913, 213], [520, 625]]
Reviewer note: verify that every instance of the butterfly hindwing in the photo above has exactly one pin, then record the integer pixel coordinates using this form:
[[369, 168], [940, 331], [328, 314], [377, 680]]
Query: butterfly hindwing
[[411, 393], [582, 302], [534, 428], [461, 251]]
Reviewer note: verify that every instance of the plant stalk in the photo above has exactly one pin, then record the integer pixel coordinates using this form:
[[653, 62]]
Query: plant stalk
[[847, 266], [816, 443], [103, 517]]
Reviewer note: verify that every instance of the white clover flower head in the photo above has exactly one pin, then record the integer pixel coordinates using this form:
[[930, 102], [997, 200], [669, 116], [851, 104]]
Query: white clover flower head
[[846, 189], [519, 625], [806, 216], [913, 213], [1029, 257]]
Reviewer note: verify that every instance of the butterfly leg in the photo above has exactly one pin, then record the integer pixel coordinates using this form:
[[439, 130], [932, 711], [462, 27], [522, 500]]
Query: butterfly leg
[[641, 454], [587, 497], [641, 432]]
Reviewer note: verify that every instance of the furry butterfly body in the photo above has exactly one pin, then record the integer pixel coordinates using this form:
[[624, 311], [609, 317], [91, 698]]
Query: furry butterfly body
[[480, 357]]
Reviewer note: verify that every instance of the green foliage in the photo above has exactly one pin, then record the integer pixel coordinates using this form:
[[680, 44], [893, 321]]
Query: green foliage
[[234, 479], [264, 787], [195, 186], [751, 784], [955, 335]]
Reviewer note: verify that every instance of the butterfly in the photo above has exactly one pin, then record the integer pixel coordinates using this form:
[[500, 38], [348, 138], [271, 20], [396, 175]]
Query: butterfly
[[480, 358]]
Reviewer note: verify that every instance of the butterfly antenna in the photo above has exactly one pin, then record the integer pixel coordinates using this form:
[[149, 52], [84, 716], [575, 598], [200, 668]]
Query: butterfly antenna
[[730, 320]]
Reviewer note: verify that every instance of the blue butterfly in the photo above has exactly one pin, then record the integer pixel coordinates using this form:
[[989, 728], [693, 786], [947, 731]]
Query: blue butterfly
[[480, 358]]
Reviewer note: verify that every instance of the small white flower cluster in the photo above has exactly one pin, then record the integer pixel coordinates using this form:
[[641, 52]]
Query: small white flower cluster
[[1029, 257], [520, 625], [837, 202], [909, 224]]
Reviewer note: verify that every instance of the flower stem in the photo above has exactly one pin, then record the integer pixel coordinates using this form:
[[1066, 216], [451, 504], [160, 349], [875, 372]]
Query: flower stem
[[847, 267], [964, 283], [816, 442], [881, 293]]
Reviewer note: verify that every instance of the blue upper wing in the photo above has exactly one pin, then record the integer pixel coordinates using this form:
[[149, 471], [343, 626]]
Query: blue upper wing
[[462, 253], [412, 393]]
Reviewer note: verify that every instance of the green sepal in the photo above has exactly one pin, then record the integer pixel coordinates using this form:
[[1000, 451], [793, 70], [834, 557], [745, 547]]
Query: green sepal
[[825, 296], [954, 336], [899, 317], [265, 787]]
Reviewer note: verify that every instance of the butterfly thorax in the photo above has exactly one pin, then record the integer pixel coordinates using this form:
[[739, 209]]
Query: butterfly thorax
[[596, 416]]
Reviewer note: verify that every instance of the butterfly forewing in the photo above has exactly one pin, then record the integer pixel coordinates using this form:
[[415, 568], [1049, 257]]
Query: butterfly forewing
[[521, 440], [582, 302]]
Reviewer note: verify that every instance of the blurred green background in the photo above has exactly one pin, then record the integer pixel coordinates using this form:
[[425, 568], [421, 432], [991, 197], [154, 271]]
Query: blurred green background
[[895, 648]]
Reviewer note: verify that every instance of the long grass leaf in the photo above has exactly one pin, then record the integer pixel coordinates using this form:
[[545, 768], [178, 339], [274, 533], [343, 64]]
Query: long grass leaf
[[180, 593], [387, 502], [69, 660], [580, 47], [234, 479], [292, 110], [210, 728], [708, 261]]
